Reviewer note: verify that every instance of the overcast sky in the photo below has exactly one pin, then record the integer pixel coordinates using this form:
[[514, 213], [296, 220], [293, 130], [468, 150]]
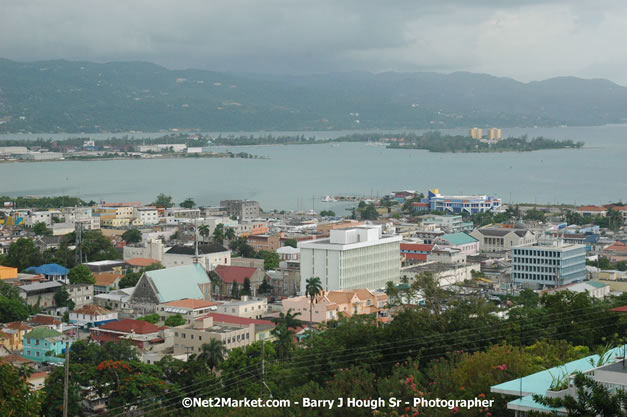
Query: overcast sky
[[526, 40]]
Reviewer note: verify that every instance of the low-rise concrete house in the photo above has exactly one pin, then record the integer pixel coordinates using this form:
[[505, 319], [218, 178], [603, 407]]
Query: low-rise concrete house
[[189, 308], [16, 331], [445, 274], [145, 336], [92, 316], [252, 308], [265, 242], [288, 253], [263, 328], [446, 256], [7, 273], [118, 300], [237, 274], [170, 284], [40, 292], [106, 282], [591, 211], [45, 345], [189, 339], [210, 256], [81, 294], [333, 304], [503, 239]]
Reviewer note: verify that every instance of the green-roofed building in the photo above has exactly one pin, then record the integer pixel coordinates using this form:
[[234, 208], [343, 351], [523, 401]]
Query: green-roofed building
[[170, 284], [45, 345], [467, 244]]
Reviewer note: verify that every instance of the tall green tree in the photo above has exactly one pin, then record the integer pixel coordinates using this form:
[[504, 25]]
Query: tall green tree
[[229, 234], [203, 230], [246, 290], [16, 397], [41, 229], [271, 259], [313, 288], [132, 236], [175, 320], [163, 200], [284, 333], [22, 254], [212, 353], [265, 287], [80, 274], [188, 203], [62, 299], [218, 233], [235, 290]]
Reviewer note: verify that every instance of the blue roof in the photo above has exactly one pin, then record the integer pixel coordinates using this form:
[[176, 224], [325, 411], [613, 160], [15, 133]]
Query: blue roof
[[540, 382], [179, 282], [49, 269]]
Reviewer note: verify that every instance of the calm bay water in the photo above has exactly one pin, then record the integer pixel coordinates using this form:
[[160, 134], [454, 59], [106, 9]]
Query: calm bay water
[[298, 176]]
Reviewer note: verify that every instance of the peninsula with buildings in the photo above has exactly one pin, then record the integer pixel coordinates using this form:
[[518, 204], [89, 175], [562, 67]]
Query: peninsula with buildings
[[176, 295]]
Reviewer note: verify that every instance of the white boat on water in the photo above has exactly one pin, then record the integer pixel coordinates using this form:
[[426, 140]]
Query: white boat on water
[[328, 199]]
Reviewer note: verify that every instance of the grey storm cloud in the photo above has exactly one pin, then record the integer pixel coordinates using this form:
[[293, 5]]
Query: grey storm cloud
[[523, 39]]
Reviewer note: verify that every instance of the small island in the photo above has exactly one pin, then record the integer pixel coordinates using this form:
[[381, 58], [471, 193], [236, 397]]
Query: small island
[[436, 142]]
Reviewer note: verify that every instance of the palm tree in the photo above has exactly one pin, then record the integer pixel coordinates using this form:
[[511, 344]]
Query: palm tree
[[283, 332], [203, 229], [313, 288], [212, 353], [288, 319], [218, 233], [229, 234]]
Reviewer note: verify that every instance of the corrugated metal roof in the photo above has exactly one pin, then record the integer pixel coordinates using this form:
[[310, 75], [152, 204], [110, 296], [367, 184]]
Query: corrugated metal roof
[[179, 282]]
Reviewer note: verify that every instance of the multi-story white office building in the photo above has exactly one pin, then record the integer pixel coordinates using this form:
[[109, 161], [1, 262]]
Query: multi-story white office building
[[548, 265], [360, 257], [147, 215]]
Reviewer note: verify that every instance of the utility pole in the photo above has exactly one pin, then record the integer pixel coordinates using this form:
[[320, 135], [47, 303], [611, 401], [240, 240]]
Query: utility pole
[[263, 368], [66, 379]]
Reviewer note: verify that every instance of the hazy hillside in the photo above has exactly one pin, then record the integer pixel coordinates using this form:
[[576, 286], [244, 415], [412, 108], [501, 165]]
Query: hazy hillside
[[81, 96]]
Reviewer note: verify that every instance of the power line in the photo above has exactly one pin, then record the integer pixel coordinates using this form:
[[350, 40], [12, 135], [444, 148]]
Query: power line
[[423, 340]]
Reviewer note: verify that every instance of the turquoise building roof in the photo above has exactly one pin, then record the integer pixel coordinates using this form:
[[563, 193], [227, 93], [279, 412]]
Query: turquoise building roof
[[459, 238], [540, 382], [179, 282]]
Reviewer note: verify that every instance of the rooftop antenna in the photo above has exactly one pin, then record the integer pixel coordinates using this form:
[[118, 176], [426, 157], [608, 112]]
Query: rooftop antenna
[[77, 241], [196, 257]]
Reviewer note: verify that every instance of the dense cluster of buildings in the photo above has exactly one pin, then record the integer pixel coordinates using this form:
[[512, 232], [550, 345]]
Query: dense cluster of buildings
[[202, 277]]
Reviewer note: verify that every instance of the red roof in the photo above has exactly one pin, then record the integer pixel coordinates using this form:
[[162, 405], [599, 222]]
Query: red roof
[[141, 261], [192, 303], [420, 204], [18, 325], [423, 247], [130, 326], [45, 320], [622, 309], [230, 274], [227, 318], [617, 247], [591, 208]]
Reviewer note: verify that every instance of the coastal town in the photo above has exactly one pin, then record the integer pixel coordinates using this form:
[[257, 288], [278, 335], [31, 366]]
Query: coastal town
[[182, 284]]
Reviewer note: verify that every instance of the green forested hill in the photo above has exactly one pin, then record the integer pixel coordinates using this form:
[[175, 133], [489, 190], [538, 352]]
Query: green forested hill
[[63, 96]]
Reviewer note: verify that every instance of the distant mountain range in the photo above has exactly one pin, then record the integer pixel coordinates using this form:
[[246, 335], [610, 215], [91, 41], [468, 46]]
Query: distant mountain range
[[63, 96]]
